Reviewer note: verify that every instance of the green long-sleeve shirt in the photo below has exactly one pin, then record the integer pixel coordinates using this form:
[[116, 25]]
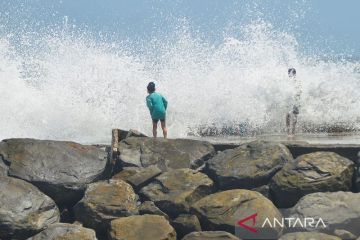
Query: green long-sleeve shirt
[[157, 105]]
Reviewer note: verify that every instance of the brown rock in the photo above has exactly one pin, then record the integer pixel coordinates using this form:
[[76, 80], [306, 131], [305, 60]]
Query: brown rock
[[174, 191], [65, 231], [105, 201], [220, 211], [309, 173], [149, 227]]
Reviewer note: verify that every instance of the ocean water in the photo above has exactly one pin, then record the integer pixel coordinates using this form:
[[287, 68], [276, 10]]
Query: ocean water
[[64, 83]]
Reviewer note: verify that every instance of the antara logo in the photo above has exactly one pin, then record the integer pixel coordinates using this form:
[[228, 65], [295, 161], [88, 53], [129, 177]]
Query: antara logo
[[242, 224], [288, 222], [292, 222]]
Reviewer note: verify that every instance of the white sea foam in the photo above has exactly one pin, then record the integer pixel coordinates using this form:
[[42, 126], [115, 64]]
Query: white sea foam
[[66, 85]]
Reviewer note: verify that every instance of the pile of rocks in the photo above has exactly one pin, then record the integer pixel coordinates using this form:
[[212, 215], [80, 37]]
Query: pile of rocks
[[170, 189]]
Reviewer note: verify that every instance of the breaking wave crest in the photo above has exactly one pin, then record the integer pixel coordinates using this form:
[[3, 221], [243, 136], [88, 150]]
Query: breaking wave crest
[[66, 84]]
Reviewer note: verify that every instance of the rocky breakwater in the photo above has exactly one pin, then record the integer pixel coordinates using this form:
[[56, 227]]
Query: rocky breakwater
[[170, 189], [61, 170]]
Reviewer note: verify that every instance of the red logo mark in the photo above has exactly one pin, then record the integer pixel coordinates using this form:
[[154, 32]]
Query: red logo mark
[[242, 224]]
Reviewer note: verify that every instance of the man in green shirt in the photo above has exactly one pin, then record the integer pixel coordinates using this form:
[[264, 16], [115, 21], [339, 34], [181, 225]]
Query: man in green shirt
[[157, 105]]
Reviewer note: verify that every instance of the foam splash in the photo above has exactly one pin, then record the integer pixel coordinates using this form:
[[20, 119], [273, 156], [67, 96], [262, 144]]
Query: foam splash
[[67, 85]]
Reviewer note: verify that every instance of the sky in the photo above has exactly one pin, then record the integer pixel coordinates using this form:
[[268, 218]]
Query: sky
[[325, 25]]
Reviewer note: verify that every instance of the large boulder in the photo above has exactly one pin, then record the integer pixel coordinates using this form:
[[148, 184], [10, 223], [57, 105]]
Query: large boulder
[[149, 227], [339, 210], [24, 210], [165, 153], [210, 235], [309, 173], [174, 191], [138, 177], [65, 231], [220, 211], [60, 169], [308, 236], [248, 166], [105, 201]]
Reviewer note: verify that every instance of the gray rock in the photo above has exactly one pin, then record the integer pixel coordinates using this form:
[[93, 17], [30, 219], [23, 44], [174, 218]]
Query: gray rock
[[149, 207], [24, 210], [174, 191], [309, 173], [105, 201], [339, 210], [65, 231], [248, 166], [138, 177], [185, 224], [165, 153], [308, 236], [210, 235], [59, 169]]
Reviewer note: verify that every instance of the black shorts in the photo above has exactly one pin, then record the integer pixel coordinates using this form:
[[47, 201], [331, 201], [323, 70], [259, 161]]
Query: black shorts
[[157, 120]]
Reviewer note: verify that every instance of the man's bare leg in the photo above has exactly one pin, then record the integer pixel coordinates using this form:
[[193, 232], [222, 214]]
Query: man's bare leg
[[287, 120], [164, 129], [154, 129], [293, 126]]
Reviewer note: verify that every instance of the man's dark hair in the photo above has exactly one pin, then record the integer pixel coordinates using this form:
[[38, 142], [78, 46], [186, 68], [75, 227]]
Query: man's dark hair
[[151, 87], [291, 72], [295, 110]]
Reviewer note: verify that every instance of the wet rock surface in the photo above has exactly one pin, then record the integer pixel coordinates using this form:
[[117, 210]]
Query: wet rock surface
[[174, 191], [59, 169], [309, 173], [248, 166], [24, 210], [165, 153]]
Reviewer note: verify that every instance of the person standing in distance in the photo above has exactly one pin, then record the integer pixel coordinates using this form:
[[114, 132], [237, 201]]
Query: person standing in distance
[[157, 105], [291, 117]]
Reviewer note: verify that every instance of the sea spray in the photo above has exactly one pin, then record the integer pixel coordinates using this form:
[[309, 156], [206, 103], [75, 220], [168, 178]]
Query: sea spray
[[63, 83]]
